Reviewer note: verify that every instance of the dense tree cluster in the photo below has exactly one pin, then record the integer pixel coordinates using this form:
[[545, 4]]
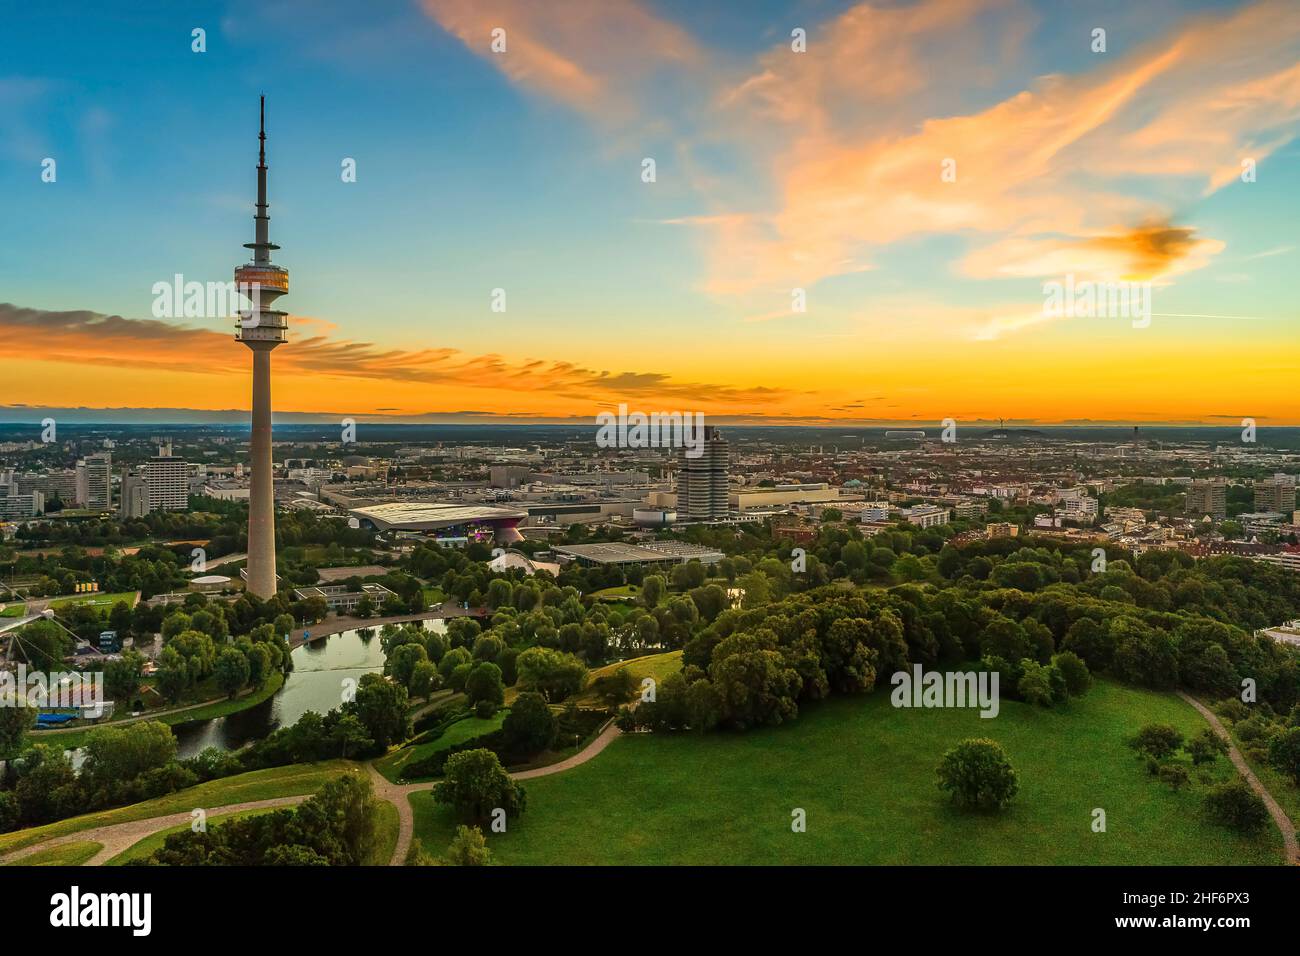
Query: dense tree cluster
[[121, 765], [753, 665], [336, 827]]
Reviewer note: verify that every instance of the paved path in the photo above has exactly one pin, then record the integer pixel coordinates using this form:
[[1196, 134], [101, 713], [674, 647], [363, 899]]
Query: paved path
[[398, 794], [118, 837], [1279, 816], [122, 836], [596, 746]]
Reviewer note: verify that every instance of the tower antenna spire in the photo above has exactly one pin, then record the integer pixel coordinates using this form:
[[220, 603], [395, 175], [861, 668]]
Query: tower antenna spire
[[261, 136]]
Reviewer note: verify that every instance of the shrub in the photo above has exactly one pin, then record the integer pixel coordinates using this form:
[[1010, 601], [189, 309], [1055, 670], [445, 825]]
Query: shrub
[[1284, 753], [416, 856], [1254, 729], [1157, 740], [1074, 671], [1175, 775], [1205, 747], [616, 688], [978, 773], [468, 848], [9, 812], [1035, 685], [1232, 710], [1235, 805]]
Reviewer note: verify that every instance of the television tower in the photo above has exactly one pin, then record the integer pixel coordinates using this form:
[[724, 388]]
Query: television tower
[[261, 329]]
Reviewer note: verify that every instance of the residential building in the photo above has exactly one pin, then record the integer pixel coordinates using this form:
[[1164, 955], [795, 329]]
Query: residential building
[[1276, 493], [22, 506], [94, 482], [167, 481], [926, 516], [1207, 496]]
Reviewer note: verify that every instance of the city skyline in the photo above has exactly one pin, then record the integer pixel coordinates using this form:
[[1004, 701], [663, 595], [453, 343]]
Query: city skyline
[[523, 170]]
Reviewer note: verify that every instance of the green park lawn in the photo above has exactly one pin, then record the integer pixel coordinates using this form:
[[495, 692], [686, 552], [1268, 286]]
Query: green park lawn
[[387, 825], [103, 601], [95, 599], [864, 772], [65, 854], [622, 592], [391, 765], [241, 788], [657, 666]]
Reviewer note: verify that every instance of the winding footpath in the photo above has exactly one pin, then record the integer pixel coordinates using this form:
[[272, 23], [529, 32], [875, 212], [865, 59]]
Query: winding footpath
[[398, 794], [119, 837], [1292, 848]]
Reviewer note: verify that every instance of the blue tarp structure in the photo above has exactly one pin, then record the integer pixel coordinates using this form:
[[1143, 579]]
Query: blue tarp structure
[[49, 719]]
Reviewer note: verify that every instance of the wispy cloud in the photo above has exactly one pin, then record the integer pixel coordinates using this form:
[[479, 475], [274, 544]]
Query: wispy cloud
[[1052, 179]]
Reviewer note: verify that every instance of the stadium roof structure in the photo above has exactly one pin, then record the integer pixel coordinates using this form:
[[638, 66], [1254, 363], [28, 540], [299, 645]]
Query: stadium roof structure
[[660, 552], [431, 516]]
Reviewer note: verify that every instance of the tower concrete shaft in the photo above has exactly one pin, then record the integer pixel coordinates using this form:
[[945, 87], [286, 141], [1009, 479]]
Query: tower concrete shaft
[[261, 329]]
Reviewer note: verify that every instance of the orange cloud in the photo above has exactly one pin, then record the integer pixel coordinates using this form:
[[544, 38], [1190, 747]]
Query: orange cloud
[[596, 56], [1043, 178], [1151, 251], [90, 338], [1038, 173]]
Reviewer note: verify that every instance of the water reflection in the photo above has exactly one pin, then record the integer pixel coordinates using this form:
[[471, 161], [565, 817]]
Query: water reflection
[[316, 683]]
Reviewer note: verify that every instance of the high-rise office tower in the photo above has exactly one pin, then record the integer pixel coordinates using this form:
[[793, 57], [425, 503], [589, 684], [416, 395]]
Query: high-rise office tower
[[1276, 494], [262, 330], [168, 481], [1207, 496], [702, 480], [95, 482]]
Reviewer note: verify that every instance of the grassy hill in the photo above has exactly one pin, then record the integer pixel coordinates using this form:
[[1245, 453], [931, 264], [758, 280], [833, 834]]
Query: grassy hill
[[242, 788], [391, 765], [864, 772]]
